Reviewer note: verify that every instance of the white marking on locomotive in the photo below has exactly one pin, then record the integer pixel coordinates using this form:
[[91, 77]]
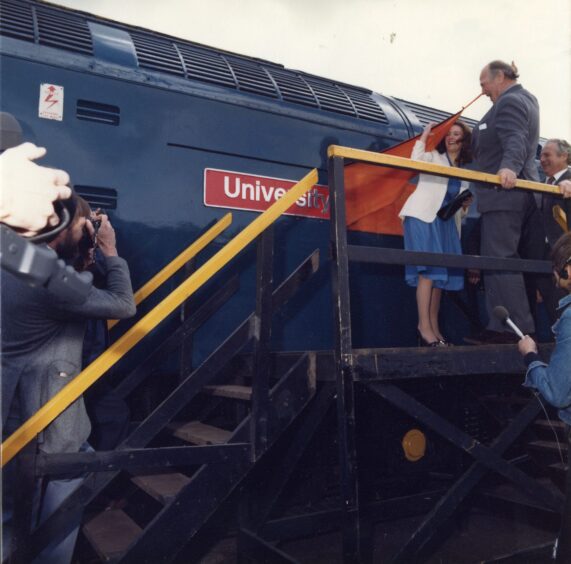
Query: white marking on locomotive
[[257, 192]]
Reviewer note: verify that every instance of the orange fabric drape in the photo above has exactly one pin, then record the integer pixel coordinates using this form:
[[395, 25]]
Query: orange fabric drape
[[374, 194]]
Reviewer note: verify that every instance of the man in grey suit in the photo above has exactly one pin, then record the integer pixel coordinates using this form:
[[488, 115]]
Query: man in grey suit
[[505, 143], [555, 160], [42, 341]]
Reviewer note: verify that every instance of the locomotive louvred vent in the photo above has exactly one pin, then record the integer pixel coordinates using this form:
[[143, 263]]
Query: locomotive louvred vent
[[98, 197], [95, 111], [293, 88], [45, 25], [425, 114], [365, 106], [16, 20], [58, 29], [331, 97], [252, 77], [206, 66], [157, 54]]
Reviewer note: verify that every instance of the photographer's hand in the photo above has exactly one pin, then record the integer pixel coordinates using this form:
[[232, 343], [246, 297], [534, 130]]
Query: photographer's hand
[[28, 190], [106, 237]]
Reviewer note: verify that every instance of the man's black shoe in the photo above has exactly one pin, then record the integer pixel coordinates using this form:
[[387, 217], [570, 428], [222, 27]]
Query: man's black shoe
[[488, 337]]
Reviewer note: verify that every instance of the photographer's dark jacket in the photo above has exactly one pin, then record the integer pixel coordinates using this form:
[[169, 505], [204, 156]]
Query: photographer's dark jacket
[[42, 340]]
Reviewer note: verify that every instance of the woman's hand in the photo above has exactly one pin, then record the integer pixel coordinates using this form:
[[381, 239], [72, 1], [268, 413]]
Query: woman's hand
[[467, 203], [474, 276], [427, 131]]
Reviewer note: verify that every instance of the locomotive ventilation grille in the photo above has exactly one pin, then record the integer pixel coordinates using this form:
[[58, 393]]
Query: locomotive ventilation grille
[[49, 25], [426, 114], [44, 25]]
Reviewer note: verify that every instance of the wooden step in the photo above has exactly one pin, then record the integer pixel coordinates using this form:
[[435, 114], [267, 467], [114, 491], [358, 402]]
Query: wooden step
[[552, 447], [230, 391], [163, 487], [547, 424], [559, 467], [110, 533], [549, 430], [512, 494], [503, 400], [199, 433]]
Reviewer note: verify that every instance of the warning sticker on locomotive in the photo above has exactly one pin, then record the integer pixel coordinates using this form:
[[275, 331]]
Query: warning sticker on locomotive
[[241, 191], [51, 102]]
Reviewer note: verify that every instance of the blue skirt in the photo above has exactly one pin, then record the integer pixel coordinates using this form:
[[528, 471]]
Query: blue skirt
[[436, 237]]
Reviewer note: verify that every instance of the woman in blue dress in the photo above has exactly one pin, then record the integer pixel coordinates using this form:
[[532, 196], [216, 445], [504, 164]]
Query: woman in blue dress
[[424, 231]]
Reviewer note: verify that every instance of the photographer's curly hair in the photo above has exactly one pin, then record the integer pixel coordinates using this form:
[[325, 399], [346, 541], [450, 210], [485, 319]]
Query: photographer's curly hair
[[82, 208], [85, 245], [465, 155]]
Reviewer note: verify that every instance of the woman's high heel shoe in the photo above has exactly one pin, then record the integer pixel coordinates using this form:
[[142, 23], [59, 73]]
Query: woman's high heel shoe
[[422, 342]]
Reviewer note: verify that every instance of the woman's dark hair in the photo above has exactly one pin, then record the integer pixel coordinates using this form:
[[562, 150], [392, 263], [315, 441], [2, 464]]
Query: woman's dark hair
[[465, 155], [561, 253]]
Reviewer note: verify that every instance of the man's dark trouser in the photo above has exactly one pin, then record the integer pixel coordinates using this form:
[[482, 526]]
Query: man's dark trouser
[[534, 246], [501, 235]]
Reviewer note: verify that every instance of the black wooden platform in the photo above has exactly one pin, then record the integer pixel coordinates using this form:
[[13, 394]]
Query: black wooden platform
[[407, 363]]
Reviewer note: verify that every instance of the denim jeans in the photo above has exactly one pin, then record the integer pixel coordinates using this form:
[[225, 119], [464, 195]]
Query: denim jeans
[[56, 492]]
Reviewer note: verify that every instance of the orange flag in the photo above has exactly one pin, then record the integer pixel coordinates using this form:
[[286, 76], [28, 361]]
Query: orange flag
[[374, 194]]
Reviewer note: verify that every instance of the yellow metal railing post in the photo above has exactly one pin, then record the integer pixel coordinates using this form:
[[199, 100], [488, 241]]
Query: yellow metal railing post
[[176, 264], [430, 168], [53, 407]]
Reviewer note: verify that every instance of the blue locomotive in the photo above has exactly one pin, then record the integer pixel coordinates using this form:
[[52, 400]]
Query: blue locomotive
[[151, 128]]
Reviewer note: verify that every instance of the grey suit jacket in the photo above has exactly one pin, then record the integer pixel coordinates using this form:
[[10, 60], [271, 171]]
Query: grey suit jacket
[[507, 137], [551, 227], [42, 340]]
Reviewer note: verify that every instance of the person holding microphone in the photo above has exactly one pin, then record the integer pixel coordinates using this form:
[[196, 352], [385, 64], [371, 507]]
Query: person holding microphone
[[553, 380]]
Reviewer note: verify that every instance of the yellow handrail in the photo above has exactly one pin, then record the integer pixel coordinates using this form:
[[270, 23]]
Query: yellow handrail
[[560, 217], [431, 168], [176, 264], [53, 407]]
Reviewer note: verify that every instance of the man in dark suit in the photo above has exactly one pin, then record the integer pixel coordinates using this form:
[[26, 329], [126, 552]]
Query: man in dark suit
[[555, 160], [505, 143]]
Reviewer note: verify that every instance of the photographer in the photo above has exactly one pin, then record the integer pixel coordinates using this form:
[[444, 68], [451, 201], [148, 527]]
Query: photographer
[[42, 341], [553, 380], [108, 412]]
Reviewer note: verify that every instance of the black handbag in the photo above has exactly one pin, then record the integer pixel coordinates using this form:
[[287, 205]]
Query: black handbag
[[448, 211]]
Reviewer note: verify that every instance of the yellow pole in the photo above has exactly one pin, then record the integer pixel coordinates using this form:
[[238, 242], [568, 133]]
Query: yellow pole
[[430, 168], [53, 407], [191, 251]]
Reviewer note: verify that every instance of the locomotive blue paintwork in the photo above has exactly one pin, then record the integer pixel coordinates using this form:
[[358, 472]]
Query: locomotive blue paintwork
[[145, 114]]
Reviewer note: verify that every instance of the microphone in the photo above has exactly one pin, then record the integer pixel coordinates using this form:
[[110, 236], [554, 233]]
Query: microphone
[[503, 315]]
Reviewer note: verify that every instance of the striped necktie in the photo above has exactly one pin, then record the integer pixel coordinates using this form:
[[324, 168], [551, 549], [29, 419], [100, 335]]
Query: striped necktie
[[542, 202]]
